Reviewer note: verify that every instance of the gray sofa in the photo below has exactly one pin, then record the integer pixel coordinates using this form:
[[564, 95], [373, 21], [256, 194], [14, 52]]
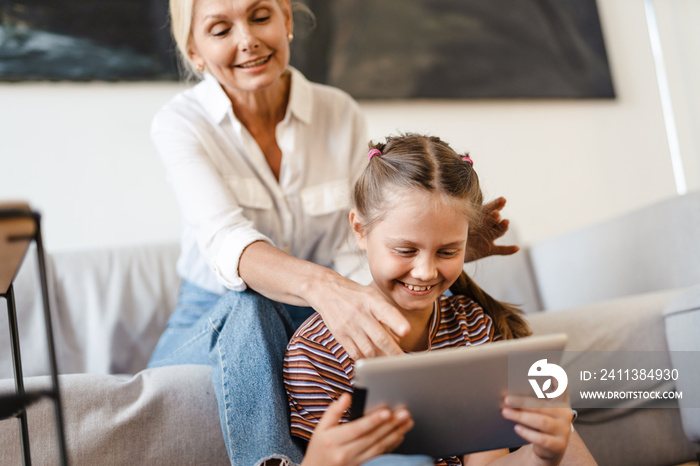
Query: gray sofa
[[611, 287]]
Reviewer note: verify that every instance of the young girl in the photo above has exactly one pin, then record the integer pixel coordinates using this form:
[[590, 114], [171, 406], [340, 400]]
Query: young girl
[[413, 206]]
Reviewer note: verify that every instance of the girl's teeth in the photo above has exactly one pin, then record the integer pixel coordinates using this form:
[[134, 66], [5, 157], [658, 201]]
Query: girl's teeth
[[417, 288]]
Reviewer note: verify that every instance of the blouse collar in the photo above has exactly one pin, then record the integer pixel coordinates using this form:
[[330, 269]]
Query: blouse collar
[[215, 101]]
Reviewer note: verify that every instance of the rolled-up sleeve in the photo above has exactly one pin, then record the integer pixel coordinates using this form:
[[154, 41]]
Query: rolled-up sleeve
[[207, 204]]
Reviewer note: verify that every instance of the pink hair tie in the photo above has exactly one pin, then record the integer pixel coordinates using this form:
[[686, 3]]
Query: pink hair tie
[[372, 153], [467, 159]]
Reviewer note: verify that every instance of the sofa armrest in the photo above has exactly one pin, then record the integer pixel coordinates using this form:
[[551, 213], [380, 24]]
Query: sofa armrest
[[651, 249], [166, 415]]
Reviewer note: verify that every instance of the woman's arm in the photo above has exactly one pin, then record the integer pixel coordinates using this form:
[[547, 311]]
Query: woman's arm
[[360, 317]]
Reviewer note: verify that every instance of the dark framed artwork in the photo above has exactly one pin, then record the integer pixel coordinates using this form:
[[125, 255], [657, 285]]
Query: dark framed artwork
[[83, 40], [374, 49]]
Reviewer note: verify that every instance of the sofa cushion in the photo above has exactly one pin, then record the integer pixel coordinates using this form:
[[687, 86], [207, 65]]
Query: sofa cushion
[[637, 434], [682, 318]]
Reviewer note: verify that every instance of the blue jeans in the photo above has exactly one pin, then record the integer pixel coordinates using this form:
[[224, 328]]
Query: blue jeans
[[243, 337]]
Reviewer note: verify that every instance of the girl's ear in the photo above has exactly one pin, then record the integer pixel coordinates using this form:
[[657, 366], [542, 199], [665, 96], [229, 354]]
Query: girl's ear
[[358, 230]]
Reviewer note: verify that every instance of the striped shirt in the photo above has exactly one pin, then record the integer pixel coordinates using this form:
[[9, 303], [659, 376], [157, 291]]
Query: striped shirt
[[317, 370]]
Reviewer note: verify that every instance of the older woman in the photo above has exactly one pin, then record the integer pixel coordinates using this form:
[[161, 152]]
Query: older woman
[[261, 161]]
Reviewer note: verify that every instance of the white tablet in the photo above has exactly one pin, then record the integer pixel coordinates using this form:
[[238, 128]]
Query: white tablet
[[454, 395]]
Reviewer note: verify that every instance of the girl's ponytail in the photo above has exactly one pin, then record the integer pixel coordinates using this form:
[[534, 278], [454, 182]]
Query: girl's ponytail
[[507, 318]]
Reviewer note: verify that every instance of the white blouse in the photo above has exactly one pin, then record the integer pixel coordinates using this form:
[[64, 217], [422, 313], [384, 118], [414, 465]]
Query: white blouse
[[229, 197]]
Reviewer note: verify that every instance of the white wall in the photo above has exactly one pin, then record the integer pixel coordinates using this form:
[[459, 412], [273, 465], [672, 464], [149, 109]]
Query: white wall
[[80, 153]]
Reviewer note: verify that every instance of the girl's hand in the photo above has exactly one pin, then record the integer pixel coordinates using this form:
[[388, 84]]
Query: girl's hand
[[481, 240], [355, 442], [360, 317], [547, 429]]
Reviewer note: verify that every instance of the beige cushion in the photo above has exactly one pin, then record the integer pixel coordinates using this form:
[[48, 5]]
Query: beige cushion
[[161, 416], [638, 435]]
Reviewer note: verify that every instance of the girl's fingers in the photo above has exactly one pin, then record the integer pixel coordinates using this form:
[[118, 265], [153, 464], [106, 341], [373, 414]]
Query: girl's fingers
[[375, 431], [385, 439], [547, 429], [363, 431], [552, 443], [542, 422], [335, 412], [555, 408], [378, 424]]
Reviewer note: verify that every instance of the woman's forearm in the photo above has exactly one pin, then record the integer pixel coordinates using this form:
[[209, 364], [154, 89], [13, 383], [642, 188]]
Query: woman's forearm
[[280, 276]]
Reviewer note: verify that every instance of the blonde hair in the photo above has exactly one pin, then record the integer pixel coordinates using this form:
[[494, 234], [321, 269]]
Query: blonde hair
[[181, 28], [428, 163]]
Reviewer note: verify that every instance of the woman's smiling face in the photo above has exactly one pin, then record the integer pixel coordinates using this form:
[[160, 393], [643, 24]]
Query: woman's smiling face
[[416, 250], [243, 43]]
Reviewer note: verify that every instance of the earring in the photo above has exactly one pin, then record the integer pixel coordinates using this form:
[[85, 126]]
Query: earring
[[290, 36], [200, 68]]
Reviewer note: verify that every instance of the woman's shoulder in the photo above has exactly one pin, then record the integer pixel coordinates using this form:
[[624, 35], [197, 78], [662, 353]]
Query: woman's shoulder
[[201, 101]]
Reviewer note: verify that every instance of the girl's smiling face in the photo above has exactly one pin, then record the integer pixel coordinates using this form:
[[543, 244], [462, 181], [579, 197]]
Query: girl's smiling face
[[243, 43], [416, 250]]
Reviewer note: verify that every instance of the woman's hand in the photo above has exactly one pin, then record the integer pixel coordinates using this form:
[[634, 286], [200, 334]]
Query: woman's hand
[[355, 442], [481, 239], [360, 317], [546, 428]]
